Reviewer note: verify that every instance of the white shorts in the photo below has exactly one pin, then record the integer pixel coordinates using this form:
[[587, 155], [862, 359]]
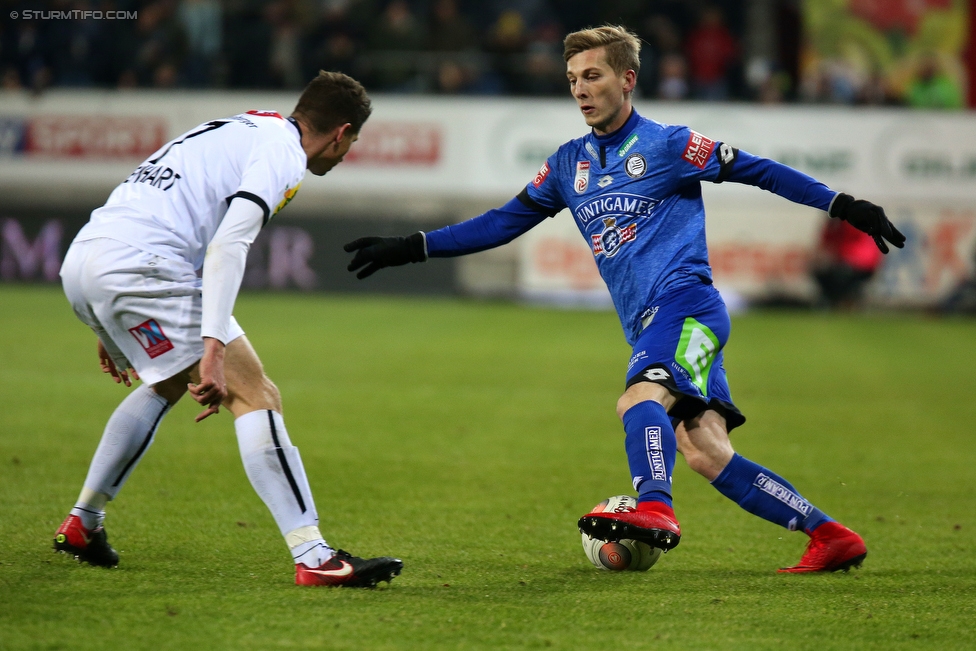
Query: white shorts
[[145, 309]]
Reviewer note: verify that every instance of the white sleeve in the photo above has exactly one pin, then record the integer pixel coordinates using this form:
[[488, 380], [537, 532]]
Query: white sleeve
[[223, 266]]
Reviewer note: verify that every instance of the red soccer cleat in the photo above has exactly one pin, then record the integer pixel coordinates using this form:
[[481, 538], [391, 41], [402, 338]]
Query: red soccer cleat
[[87, 546], [347, 571], [651, 522], [832, 547]]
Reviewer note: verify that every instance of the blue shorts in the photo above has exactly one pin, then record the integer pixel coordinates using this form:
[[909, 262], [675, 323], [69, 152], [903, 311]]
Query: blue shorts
[[681, 346]]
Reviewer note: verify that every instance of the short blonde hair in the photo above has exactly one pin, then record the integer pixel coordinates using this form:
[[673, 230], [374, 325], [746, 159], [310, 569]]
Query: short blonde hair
[[622, 46]]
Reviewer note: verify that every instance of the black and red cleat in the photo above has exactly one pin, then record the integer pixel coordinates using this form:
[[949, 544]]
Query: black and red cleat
[[651, 522], [87, 546], [347, 571], [832, 547]]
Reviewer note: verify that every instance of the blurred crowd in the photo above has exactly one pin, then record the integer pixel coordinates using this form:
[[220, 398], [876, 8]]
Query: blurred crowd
[[693, 49]]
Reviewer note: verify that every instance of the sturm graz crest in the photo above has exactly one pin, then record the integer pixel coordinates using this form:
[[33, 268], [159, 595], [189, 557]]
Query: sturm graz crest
[[609, 241], [635, 166]]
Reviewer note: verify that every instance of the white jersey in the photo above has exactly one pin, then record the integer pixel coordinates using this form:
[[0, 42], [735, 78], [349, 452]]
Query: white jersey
[[172, 204]]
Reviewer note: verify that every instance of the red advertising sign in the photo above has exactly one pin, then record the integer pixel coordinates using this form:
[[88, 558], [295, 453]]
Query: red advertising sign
[[90, 136], [397, 143]]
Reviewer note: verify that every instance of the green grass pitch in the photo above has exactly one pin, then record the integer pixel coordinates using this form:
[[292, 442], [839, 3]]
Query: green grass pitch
[[467, 438]]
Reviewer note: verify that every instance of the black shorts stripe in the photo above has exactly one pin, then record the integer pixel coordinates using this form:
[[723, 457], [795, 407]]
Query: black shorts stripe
[[284, 462], [142, 448], [250, 196]]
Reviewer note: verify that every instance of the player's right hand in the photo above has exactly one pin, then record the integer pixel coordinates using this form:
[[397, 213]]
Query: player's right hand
[[374, 253], [211, 390], [868, 217]]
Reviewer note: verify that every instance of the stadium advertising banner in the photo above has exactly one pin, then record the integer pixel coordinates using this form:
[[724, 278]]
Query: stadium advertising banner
[[428, 161], [881, 51]]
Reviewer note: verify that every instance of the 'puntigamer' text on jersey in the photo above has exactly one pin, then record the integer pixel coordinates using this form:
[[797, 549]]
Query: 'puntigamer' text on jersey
[[636, 198], [172, 204]]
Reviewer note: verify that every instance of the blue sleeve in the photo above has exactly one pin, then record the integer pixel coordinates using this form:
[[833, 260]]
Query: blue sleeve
[[486, 231], [743, 167]]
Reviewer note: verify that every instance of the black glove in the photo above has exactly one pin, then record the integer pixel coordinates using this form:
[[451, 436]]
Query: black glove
[[865, 216], [374, 253]]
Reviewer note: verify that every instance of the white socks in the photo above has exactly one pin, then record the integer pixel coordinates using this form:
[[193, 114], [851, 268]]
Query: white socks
[[128, 434], [276, 472]]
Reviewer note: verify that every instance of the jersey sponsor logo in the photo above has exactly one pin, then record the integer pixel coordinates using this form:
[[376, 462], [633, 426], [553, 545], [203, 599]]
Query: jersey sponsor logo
[[628, 143], [615, 204], [151, 337], [541, 176], [582, 176], [605, 181], [157, 176], [698, 149], [592, 150], [609, 241], [783, 494], [266, 114], [289, 195], [635, 166], [655, 453]]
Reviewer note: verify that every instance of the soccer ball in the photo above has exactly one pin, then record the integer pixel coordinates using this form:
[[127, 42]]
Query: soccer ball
[[631, 555]]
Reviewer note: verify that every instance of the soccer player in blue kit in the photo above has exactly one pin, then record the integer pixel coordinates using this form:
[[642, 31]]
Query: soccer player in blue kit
[[633, 187]]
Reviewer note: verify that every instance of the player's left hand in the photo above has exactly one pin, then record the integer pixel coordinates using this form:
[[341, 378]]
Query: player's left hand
[[107, 365], [868, 217], [374, 253], [211, 390]]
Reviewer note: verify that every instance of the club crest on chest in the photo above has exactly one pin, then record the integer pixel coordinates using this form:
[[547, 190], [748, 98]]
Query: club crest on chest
[[612, 237]]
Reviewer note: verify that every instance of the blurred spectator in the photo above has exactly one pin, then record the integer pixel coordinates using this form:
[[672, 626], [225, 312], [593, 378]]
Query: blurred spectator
[[247, 44], [711, 50], [673, 78], [202, 22], [162, 46], [395, 40], [284, 61], [333, 41], [449, 30], [933, 88], [844, 262]]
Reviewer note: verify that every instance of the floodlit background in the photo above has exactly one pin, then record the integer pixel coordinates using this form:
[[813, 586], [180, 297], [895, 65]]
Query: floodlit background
[[873, 97], [468, 436]]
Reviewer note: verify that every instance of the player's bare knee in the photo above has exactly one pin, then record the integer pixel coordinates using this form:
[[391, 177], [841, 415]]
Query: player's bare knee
[[642, 392]]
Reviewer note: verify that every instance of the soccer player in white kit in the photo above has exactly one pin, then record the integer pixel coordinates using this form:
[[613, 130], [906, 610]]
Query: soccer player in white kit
[[132, 275]]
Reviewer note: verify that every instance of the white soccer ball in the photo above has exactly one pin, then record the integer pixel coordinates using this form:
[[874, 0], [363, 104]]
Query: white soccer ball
[[629, 555]]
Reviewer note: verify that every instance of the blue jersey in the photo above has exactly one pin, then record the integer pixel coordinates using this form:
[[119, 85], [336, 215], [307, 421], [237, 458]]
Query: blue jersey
[[635, 195]]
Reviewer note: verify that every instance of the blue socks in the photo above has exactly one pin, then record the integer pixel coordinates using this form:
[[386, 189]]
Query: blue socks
[[766, 494], [651, 449]]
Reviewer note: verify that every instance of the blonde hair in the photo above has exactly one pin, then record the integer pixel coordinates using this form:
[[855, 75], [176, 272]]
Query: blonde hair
[[622, 46]]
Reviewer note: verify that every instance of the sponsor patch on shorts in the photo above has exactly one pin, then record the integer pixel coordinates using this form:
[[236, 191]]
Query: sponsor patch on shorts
[[151, 337]]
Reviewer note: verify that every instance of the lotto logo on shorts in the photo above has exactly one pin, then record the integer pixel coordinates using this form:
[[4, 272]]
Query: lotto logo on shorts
[[698, 150], [151, 337]]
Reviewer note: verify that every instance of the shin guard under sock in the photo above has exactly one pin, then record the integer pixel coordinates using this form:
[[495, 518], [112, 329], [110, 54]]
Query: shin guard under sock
[[651, 449], [767, 495]]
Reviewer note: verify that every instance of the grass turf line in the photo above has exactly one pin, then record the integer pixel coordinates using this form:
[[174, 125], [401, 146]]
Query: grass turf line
[[467, 438]]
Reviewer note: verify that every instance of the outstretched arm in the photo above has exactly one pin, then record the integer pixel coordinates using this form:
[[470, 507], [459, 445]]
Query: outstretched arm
[[743, 167], [486, 231], [223, 271]]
